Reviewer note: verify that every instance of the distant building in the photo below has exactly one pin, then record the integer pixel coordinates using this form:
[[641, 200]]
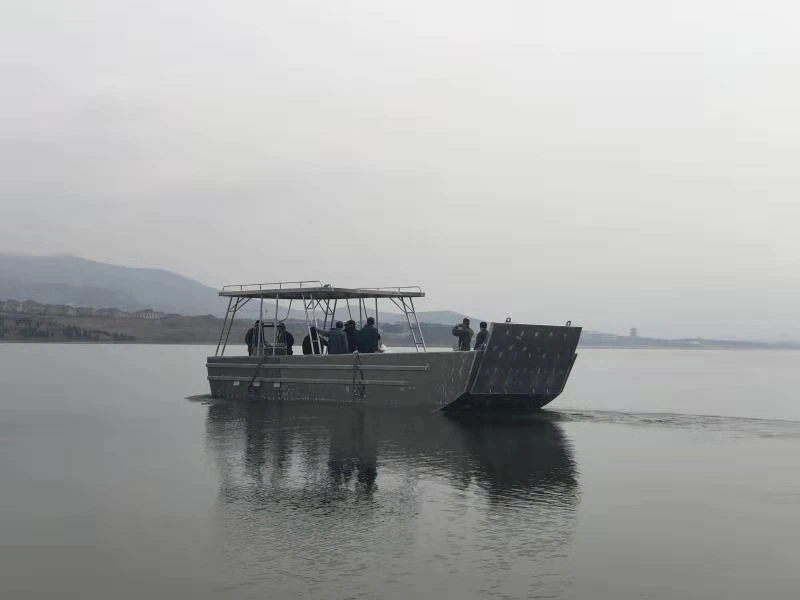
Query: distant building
[[11, 306], [634, 333], [84, 311], [149, 315], [109, 312], [55, 309], [32, 308]]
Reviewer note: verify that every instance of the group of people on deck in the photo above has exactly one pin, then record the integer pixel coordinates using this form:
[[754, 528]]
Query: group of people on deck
[[464, 334], [283, 339], [342, 338]]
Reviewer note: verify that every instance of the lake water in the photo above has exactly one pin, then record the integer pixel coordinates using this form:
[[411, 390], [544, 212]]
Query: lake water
[[658, 474]]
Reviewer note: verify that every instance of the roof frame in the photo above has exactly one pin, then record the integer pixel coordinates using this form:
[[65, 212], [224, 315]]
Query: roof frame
[[298, 291]]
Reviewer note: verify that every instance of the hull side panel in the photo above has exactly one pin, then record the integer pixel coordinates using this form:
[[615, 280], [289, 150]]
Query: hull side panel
[[429, 379], [522, 368]]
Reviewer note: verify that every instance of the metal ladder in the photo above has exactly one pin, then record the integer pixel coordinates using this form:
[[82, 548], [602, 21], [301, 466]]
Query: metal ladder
[[413, 324], [311, 305]]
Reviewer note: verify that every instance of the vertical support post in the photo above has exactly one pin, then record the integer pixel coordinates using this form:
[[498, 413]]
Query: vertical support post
[[236, 307], [402, 306], [419, 327], [316, 326], [275, 328], [308, 325], [325, 315], [260, 347], [225, 322]]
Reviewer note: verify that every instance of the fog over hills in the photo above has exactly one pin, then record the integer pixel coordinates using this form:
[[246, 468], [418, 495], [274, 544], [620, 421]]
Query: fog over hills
[[73, 280], [83, 282]]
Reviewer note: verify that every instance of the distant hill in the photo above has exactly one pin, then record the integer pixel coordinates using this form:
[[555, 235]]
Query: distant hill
[[82, 282], [73, 280], [387, 315], [444, 317]]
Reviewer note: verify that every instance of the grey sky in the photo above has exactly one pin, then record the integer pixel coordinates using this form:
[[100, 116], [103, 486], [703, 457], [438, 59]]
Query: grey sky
[[623, 163]]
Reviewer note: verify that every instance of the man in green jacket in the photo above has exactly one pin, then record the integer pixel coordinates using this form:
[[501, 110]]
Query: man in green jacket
[[368, 338], [464, 334]]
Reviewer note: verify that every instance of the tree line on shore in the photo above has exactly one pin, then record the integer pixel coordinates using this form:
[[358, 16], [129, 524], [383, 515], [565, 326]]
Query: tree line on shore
[[38, 329]]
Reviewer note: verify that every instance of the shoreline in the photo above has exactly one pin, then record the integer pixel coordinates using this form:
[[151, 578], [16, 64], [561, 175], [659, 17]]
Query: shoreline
[[437, 348]]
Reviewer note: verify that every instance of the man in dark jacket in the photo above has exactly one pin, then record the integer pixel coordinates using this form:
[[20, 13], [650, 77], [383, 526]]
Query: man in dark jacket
[[464, 334], [482, 336], [352, 335], [251, 338], [368, 337], [337, 340], [285, 339], [318, 343]]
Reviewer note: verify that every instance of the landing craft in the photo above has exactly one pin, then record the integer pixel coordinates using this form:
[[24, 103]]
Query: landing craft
[[520, 368]]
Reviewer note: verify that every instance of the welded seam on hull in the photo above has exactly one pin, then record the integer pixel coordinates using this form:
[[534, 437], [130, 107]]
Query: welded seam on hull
[[216, 365], [347, 382]]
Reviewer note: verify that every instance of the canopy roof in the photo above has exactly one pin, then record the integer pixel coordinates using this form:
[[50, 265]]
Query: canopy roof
[[317, 291]]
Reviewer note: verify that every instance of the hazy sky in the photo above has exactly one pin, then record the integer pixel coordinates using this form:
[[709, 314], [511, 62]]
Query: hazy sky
[[619, 163]]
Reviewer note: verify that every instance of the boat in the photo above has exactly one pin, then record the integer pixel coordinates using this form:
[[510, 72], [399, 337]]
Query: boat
[[521, 367]]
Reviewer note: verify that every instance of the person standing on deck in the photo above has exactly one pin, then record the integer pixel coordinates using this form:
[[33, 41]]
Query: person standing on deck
[[352, 335], [483, 335], [318, 343], [368, 337], [337, 339], [285, 339], [464, 334], [251, 338]]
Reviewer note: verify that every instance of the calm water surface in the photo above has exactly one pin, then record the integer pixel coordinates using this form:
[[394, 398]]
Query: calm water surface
[[658, 474]]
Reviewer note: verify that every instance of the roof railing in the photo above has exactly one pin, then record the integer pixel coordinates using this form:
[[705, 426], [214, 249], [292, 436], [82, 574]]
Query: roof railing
[[394, 288], [275, 285]]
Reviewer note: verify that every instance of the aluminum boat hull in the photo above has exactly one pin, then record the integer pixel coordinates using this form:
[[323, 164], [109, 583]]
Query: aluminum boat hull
[[522, 367]]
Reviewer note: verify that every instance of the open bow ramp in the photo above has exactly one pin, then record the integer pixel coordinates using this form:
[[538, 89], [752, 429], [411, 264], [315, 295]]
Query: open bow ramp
[[522, 367]]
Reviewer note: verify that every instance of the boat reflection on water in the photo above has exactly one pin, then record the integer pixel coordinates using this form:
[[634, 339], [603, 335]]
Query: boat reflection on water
[[287, 446], [312, 489]]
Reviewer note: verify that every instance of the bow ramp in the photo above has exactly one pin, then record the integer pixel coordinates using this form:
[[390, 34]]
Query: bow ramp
[[521, 367]]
